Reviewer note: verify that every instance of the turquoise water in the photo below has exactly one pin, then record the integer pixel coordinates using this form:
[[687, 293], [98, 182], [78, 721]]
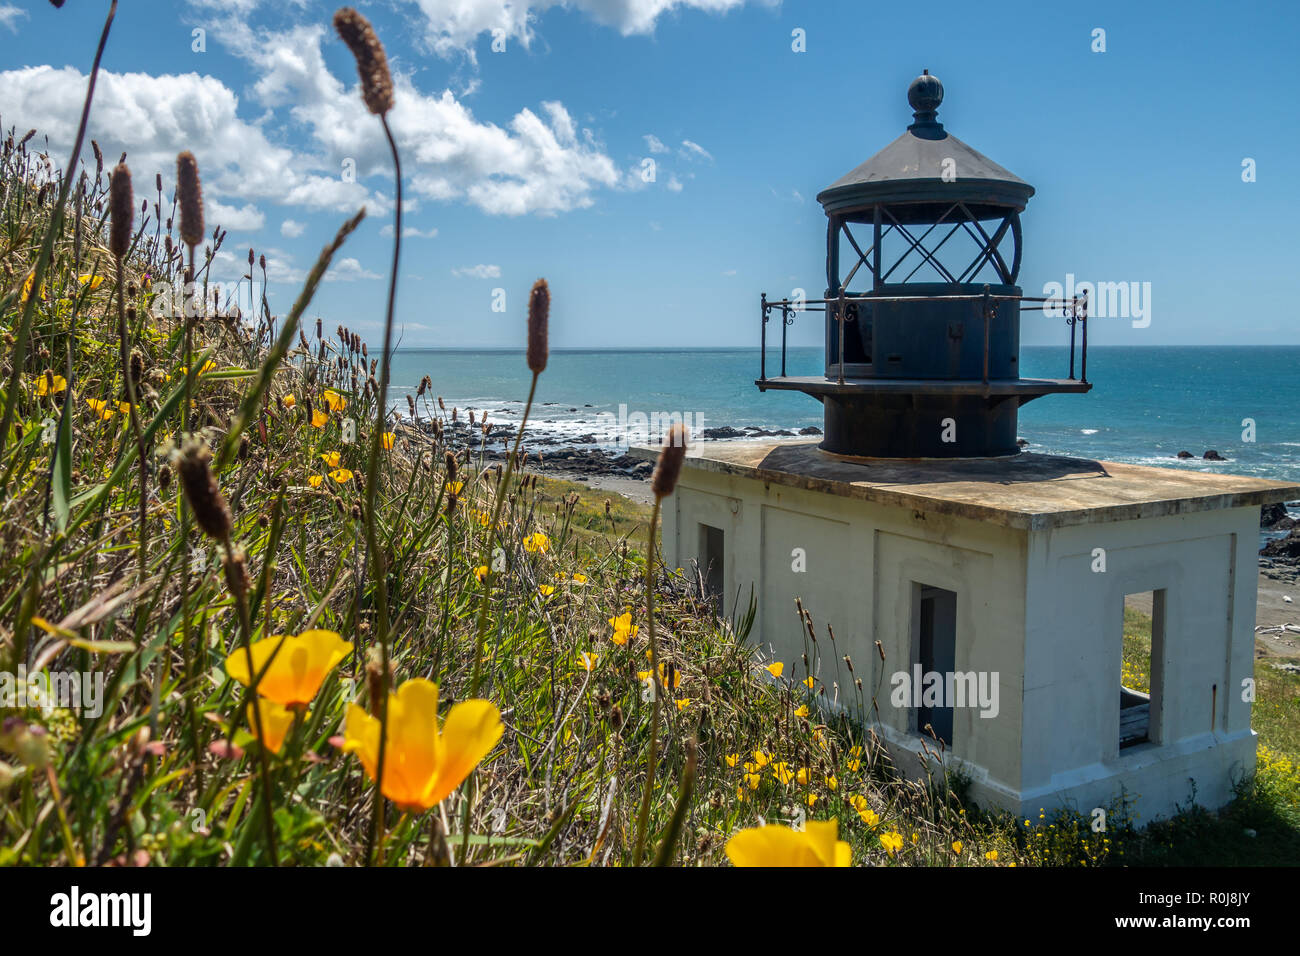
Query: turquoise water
[[1146, 404]]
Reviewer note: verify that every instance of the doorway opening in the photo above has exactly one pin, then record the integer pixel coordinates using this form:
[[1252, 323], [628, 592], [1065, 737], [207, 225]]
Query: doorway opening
[[712, 564], [935, 631], [1140, 667]]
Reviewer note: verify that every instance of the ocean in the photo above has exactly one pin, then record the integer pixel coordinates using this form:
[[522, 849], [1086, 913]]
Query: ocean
[[1147, 403]]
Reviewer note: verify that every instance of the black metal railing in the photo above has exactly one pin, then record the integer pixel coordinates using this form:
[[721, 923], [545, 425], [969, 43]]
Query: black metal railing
[[1074, 310]]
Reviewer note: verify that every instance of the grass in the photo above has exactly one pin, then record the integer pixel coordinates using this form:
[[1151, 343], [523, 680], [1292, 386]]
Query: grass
[[105, 571]]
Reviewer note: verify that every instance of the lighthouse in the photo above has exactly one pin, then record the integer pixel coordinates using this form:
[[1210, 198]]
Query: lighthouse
[[978, 589]]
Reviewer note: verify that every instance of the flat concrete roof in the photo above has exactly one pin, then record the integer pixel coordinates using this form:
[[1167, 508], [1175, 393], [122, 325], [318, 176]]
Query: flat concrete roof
[[1029, 491]]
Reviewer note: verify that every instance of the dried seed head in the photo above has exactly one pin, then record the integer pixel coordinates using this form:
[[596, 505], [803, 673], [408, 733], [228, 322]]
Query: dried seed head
[[94, 148], [121, 210], [211, 512], [451, 467], [539, 311], [669, 468], [235, 566], [372, 64], [191, 198]]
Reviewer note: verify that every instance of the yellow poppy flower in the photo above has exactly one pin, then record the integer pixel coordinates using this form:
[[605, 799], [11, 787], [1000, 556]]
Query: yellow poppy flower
[[731, 759], [481, 571], [341, 475], [579, 579], [276, 721], [869, 816], [100, 408], [776, 668], [812, 799], [803, 776], [331, 458], [752, 780], [891, 841], [334, 401], [422, 764], [832, 784], [483, 518], [816, 845], [683, 703], [387, 439], [315, 480], [623, 622], [545, 590], [318, 418], [761, 758], [454, 487], [289, 400], [95, 281], [782, 772], [991, 855], [298, 669], [802, 711], [588, 661], [48, 384], [537, 542], [956, 847], [27, 286], [808, 683]]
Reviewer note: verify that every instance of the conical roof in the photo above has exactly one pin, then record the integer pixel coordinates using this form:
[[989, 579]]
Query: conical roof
[[926, 170]]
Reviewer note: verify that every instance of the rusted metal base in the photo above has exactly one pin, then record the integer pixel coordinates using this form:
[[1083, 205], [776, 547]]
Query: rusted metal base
[[911, 425]]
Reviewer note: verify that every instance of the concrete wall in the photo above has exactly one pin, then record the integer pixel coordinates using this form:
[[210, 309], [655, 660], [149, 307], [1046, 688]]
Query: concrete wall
[[860, 561], [1201, 727]]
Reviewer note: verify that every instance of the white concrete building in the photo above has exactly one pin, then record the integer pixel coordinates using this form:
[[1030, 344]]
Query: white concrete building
[[1013, 570]]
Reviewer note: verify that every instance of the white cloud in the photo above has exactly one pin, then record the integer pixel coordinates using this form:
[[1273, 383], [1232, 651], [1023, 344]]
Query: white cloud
[[247, 218], [10, 15], [452, 26], [478, 272], [292, 229], [674, 184], [695, 151], [654, 143], [540, 164], [152, 118], [728, 272], [408, 232], [349, 270], [279, 267]]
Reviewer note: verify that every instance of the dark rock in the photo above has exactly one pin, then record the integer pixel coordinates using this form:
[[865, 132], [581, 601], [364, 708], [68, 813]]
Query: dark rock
[[1185, 454], [1213, 455], [1022, 442], [810, 430], [724, 431], [1271, 516], [1284, 549]]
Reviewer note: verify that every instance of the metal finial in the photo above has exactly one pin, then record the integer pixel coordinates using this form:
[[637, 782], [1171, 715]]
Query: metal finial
[[925, 94]]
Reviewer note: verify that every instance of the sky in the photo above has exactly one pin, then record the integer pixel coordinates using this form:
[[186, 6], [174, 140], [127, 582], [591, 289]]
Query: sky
[[658, 160]]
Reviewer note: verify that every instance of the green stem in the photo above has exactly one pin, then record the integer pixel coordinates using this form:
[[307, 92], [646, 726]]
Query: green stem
[[644, 817]]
